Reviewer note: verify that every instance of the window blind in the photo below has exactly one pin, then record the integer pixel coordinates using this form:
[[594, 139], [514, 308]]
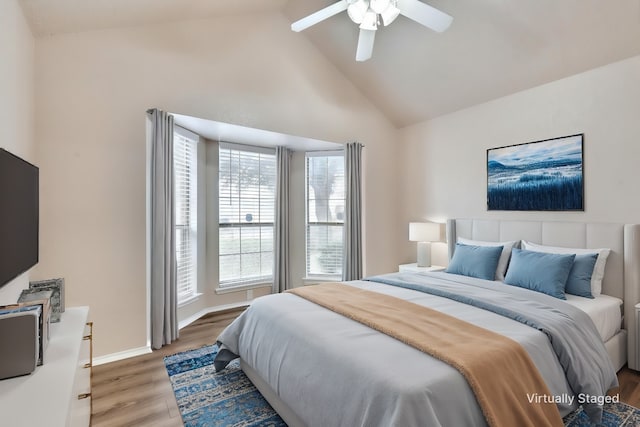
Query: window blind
[[185, 181], [247, 179], [325, 214]]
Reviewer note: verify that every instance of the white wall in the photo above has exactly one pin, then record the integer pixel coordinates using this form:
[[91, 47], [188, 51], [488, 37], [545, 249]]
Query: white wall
[[445, 158], [16, 103], [92, 90]]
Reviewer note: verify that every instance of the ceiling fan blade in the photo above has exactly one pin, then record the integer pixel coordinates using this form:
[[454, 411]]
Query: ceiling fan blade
[[424, 14], [365, 45], [321, 15]]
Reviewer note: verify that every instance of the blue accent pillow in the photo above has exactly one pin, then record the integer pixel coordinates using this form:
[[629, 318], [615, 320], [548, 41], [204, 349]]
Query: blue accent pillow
[[579, 281], [475, 261], [539, 271]]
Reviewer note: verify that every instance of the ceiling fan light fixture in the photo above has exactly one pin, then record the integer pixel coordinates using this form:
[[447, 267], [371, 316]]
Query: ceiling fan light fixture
[[389, 14], [357, 10], [378, 6], [369, 14], [370, 21]]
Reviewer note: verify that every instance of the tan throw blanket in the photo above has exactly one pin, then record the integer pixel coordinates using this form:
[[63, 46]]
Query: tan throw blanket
[[498, 369]]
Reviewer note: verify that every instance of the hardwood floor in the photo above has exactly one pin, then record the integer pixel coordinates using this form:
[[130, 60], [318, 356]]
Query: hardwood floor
[[137, 391], [629, 387]]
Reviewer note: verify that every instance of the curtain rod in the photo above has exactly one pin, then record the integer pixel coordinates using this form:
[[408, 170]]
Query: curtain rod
[[321, 151], [334, 149], [341, 148]]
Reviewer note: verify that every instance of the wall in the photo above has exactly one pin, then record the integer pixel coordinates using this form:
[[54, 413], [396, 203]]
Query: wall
[[92, 92], [445, 157], [17, 48]]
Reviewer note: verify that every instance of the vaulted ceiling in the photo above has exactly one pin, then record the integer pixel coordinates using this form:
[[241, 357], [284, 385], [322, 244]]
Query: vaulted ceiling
[[492, 49]]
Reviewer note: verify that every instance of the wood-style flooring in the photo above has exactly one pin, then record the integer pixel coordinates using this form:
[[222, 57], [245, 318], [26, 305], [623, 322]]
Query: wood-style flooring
[[629, 387], [137, 391]]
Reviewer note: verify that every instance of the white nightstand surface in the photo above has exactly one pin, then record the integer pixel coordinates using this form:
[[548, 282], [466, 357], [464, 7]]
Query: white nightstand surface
[[414, 268]]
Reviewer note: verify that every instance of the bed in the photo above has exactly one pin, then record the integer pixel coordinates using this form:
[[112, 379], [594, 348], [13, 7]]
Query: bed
[[622, 275], [316, 367]]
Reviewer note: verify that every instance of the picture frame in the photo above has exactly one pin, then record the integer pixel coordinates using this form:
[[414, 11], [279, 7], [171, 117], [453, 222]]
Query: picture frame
[[43, 300], [57, 297], [544, 175]]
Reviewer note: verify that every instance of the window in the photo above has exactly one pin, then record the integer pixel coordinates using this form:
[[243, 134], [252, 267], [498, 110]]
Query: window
[[325, 213], [185, 171], [247, 185]]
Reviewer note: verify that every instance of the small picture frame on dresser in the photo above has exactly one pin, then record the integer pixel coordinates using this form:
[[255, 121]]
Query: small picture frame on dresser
[[42, 299], [57, 296]]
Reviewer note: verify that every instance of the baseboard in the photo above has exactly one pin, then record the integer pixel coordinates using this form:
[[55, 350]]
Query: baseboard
[[189, 320], [121, 355]]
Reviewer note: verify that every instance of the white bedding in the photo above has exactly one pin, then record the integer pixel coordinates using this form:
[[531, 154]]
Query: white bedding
[[604, 310]]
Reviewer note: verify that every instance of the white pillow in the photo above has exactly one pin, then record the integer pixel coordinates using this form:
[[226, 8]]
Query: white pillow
[[503, 262], [598, 268]]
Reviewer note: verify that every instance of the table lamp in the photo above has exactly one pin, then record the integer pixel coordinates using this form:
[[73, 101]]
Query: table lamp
[[424, 233]]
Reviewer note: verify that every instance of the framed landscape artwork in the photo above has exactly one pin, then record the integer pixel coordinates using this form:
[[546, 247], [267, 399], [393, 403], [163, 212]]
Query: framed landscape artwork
[[537, 176]]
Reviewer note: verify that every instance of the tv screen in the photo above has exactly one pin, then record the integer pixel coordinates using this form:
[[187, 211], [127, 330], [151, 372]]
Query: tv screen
[[18, 216]]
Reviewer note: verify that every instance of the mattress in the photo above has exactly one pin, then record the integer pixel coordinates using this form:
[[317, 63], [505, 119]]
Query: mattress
[[604, 310]]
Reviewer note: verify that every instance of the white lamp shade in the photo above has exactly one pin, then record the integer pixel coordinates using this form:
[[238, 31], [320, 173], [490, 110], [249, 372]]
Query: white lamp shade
[[357, 11], [424, 232], [389, 14], [379, 5], [370, 21]]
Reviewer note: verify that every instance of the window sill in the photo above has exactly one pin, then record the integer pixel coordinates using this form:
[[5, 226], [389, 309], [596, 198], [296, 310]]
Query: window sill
[[242, 287], [189, 300], [312, 280]]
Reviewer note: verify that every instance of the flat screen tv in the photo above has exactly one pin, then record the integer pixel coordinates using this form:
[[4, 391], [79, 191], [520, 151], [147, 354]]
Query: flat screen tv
[[19, 216]]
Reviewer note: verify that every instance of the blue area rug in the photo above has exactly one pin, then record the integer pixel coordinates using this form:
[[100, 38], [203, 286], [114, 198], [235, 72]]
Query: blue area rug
[[615, 415], [209, 398]]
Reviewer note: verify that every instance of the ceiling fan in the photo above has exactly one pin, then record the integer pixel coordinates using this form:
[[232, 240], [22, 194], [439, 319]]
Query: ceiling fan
[[368, 13]]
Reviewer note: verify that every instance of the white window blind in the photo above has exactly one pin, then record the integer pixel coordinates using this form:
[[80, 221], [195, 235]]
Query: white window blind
[[325, 213], [185, 180], [247, 180]]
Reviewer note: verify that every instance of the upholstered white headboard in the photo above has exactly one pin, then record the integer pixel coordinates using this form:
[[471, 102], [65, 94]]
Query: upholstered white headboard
[[622, 273]]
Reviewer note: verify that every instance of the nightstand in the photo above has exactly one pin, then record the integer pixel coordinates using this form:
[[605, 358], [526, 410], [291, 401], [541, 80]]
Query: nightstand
[[413, 268]]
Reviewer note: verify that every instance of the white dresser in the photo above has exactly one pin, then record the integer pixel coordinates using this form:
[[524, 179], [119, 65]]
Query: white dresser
[[58, 393]]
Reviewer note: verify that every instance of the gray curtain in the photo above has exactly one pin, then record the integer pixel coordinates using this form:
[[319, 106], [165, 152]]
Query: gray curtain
[[164, 299], [281, 274], [352, 258]]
